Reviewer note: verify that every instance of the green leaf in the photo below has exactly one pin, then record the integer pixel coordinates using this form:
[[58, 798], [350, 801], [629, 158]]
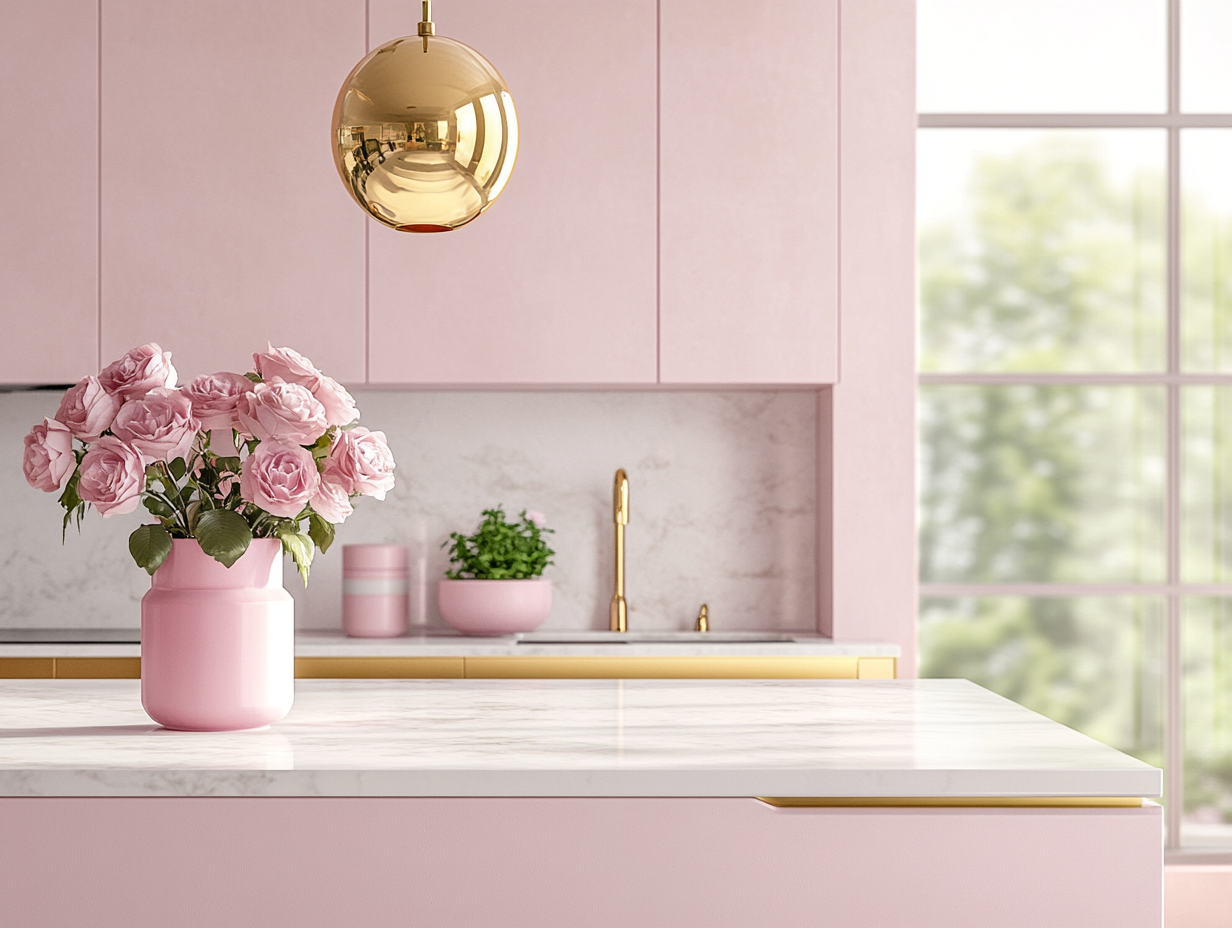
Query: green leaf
[[69, 498], [178, 468], [158, 507], [149, 546], [73, 506], [301, 550], [254, 377], [194, 514], [321, 532], [223, 535]]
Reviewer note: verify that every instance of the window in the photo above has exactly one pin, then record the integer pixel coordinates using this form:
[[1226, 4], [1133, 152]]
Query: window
[[1075, 242]]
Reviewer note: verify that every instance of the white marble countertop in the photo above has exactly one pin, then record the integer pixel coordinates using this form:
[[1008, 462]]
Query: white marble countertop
[[922, 738], [564, 643]]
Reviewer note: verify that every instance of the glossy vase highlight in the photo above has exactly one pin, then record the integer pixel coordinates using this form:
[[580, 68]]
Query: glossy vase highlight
[[218, 643]]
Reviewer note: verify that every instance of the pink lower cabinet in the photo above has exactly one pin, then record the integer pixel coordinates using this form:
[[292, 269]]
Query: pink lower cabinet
[[563, 863], [749, 129], [555, 284]]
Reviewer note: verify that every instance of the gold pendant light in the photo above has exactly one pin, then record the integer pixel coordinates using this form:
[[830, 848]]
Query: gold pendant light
[[425, 135]]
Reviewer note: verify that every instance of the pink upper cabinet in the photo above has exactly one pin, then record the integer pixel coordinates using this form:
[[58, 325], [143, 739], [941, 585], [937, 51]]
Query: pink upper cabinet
[[555, 284], [224, 225], [49, 190], [749, 180]]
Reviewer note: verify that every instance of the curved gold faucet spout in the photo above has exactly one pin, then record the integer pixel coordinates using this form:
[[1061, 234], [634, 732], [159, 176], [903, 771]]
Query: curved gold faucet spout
[[618, 613]]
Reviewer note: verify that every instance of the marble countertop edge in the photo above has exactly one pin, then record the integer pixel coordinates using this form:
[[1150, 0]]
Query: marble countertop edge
[[531, 783]]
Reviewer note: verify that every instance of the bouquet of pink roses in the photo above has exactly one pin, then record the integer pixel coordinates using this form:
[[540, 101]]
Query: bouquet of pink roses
[[225, 459]]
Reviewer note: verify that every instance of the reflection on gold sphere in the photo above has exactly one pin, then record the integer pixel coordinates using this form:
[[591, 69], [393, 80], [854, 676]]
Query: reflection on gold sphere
[[425, 140]]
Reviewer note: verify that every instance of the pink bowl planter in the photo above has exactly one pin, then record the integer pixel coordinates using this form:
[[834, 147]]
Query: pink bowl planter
[[218, 644], [495, 607]]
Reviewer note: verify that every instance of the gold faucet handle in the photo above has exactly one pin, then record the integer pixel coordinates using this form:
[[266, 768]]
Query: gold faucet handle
[[703, 618]]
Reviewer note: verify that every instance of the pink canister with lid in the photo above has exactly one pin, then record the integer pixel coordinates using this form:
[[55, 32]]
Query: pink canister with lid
[[374, 591]]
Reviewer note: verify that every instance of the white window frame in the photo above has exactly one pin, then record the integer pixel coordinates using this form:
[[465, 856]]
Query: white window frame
[[1173, 589]]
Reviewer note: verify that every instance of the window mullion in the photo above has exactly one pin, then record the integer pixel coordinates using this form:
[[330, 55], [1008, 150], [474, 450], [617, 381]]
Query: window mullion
[[1174, 777]]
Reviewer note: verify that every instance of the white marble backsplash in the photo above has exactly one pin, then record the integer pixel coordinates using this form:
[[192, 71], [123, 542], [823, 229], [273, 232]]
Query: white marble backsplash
[[722, 502]]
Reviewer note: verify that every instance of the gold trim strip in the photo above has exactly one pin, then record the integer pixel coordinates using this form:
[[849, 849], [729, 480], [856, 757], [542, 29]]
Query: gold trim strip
[[27, 668], [561, 668], [877, 668], [670, 668], [952, 802], [98, 668], [388, 668]]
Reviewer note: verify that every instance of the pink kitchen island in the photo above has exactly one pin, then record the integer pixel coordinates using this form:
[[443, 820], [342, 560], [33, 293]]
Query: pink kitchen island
[[853, 804]]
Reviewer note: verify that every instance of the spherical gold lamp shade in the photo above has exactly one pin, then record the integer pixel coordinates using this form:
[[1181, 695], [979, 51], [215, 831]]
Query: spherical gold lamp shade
[[425, 133]]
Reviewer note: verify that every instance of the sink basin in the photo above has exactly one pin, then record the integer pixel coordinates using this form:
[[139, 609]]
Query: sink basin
[[624, 638]]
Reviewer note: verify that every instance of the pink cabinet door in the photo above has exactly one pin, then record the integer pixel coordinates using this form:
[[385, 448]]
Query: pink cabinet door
[[224, 225], [555, 284], [749, 180], [48, 191]]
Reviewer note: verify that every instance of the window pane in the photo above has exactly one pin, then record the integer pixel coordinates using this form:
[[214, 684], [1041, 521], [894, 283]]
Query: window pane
[[1206, 64], [1092, 663], [1042, 56], [1041, 483], [1206, 473], [1207, 691], [1206, 242], [1042, 250]]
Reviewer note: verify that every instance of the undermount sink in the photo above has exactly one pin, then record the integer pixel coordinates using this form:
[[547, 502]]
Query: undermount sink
[[539, 638]]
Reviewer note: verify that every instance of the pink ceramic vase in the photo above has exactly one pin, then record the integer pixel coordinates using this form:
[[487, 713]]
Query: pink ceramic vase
[[217, 643], [495, 607]]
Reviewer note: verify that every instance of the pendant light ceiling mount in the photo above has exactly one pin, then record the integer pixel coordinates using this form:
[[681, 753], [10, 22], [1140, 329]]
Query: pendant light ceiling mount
[[425, 132], [426, 26]]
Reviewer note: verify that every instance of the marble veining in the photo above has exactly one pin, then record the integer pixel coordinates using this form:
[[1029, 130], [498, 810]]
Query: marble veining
[[723, 508], [564, 738]]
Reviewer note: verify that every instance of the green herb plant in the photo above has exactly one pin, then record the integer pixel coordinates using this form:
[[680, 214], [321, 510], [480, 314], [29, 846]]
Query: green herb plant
[[499, 549]]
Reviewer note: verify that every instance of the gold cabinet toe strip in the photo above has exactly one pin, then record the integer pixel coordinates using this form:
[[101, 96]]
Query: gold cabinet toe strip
[[663, 668], [27, 668], [98, 668], [386, 668], [951, 802], [499, 668]]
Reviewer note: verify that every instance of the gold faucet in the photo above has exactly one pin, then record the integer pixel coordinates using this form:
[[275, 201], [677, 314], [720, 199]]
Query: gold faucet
[[703, 619], [618, 614]]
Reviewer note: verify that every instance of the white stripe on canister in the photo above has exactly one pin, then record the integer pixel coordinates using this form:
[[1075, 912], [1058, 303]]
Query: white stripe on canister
[[391, 587]]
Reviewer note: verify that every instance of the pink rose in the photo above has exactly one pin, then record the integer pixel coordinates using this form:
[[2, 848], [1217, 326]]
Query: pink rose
[[536, 518], [340, 408], [281, 412], [88, 410], [48, 462], [331, 502], [280, 478], [213, 398], [112, 477], [361, 462], [160, 425], [287, 365], [141, 370]]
